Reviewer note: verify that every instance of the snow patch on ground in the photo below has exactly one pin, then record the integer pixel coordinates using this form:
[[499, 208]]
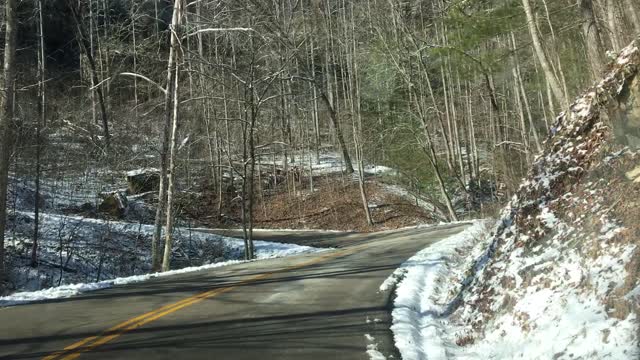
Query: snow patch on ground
[[264, 250], [417, 312], [398, 274], [393, 279], [372, 348], [66, 291], [79, 254]]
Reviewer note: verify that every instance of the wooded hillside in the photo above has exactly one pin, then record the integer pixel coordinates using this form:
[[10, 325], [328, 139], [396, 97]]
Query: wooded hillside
[[457, 96]]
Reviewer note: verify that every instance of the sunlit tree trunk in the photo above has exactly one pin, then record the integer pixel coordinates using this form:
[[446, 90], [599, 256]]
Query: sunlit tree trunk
[[165, 141], [542, 57], [176, 31]]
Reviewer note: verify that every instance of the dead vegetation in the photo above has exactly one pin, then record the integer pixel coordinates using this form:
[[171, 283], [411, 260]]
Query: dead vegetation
[[334, 204]]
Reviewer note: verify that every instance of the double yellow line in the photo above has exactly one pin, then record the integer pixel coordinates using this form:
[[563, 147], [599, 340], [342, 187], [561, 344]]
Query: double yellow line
[[74, 350]]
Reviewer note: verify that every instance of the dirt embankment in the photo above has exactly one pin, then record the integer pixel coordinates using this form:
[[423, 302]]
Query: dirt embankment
[[334, 204]]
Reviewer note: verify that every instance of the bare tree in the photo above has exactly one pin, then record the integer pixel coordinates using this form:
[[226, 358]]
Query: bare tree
[[6, 120], [632, 11], [167, 164], [593, 38], [40, 123], [551, 78], [87, 49]]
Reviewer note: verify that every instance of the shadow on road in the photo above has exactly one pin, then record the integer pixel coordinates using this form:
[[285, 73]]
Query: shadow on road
[[331, 327]]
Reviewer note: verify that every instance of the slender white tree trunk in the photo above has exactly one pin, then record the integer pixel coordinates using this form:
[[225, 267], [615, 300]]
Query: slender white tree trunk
[[542, 57], [164, 151]]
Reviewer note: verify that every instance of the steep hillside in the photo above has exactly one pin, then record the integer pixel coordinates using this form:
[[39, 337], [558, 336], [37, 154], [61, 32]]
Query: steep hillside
[[559, 277]]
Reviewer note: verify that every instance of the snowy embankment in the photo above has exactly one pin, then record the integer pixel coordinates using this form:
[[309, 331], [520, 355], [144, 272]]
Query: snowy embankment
[[423, 282], [559, 275], [80, 254], [66, 291]]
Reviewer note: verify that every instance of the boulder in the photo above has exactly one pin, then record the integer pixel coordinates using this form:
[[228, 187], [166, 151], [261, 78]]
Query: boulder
[[113, 203], [143, 180], [625, 115]]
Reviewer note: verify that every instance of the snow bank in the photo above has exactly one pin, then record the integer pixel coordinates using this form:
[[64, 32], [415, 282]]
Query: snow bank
[[66, 291], [418, 310], [264, 250], [141, 171], [76, 253]]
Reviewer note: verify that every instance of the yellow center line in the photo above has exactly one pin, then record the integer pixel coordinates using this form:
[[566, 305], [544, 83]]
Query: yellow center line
[[74, 350]]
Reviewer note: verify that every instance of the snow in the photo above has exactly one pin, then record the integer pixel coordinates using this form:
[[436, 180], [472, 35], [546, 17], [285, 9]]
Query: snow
[[278, 230], [393, 279], [264, 250], [566, 325], [96, 253], [400, 272], [141, 171], [416, 313], [59, 292], [66, 291], [558, 276], [374, 354], [379, 170], [372, 348], [329, 162]]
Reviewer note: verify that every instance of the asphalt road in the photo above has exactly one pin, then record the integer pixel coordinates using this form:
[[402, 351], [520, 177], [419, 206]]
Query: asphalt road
[[316, 306]]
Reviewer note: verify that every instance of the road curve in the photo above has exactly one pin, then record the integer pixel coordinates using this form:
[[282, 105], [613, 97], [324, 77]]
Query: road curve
[[317, 306]]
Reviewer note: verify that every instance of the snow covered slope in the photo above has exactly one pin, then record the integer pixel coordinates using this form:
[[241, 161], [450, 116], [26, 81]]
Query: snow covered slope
[[559, 277], [77, 254]]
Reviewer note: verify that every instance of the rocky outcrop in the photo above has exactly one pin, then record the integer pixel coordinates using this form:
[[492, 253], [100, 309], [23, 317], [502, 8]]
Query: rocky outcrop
[[142, 180], [114, 204], [625, 114]]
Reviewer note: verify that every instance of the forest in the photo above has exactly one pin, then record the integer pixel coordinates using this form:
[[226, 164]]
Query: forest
[[209, 108]]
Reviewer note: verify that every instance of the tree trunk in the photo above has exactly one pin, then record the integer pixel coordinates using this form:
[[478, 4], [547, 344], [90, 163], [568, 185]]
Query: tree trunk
[[162, 192], [542, 57], [176, 25], [611, 10], [633, 15], [348, 166], [86, 48], [171, 172], [591, 32], [40, 124], [6, 120]]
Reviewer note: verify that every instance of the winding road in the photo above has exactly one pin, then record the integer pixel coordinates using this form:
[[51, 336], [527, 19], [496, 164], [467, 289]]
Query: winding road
[[314, 306]]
